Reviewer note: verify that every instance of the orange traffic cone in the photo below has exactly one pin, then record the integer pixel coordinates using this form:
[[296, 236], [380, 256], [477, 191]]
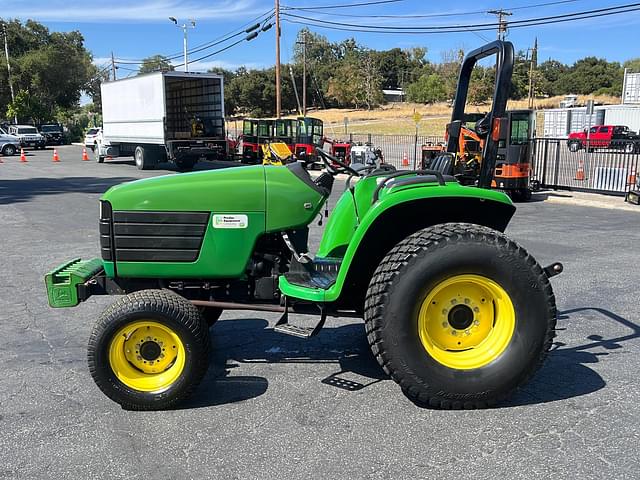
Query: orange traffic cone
[[405, 159], [632, 176], [85, 157], [56, 158], [23, 157], [580, 171]]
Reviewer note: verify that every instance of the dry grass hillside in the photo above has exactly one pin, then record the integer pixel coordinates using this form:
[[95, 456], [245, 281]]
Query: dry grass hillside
[[397, 118]]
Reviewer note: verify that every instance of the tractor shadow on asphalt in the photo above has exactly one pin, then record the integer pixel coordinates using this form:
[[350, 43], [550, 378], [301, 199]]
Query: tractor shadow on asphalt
[[253, 341], [565, 373], [25, 189]]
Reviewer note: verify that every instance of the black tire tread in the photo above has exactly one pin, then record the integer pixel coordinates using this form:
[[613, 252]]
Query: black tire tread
[[165, 302], [380, 288]]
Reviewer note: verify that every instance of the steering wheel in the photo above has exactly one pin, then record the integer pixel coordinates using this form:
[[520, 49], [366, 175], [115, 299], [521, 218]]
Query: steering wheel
[[330, 160]]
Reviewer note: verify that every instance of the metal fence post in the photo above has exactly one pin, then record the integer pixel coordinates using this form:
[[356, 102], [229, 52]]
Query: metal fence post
[[544, 161], [557, 166]]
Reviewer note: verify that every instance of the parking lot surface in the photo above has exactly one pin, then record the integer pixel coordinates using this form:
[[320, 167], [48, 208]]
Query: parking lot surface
[[267, 408]]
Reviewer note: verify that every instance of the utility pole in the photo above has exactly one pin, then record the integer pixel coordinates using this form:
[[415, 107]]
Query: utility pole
[[532, 66], [278, 98], [295, 88], [185, 28], [113, 66], [6, 53], [502, 23], [304, 72]]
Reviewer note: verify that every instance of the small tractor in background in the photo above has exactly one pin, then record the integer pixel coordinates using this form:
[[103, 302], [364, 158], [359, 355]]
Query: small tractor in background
[[339, 149], [302, 136]]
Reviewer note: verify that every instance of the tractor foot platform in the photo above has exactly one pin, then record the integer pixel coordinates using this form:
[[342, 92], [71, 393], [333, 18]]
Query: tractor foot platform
[[283, 325]]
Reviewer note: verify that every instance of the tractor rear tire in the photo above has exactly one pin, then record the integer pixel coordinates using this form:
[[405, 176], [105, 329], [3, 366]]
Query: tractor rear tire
[[149, 350], [460, 316]]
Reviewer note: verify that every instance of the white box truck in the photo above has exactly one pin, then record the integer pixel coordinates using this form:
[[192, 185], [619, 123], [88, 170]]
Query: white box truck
[[160, 116]]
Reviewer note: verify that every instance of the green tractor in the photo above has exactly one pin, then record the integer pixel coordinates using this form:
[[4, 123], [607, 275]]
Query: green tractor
[[455, 312]]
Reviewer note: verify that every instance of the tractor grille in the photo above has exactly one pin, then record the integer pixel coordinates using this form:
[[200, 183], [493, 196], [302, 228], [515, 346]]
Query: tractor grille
[[152, 236]]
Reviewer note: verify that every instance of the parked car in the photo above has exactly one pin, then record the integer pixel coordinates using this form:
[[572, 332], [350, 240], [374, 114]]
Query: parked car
[[605, 136], [9, 144], [53, 134], [91, 137], [28, 136]]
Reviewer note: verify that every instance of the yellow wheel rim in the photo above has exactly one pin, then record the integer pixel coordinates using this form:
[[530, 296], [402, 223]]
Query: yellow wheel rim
[[147, 356], [466, 321]]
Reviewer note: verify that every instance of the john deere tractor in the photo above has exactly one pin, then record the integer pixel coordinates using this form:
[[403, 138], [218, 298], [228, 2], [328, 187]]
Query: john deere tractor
[[455, 312]]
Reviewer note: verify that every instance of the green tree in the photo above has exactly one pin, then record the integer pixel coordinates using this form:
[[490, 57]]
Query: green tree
[[428, 88], [550, 71], [590, 75], [633, 65], [51, 68], [26, 107], [155, 63], [398, 66]]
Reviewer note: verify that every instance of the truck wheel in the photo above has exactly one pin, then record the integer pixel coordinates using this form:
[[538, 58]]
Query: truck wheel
[[149, 350], [459, 316], [629, 148], [140, 158], [185, 164], [574, 146]]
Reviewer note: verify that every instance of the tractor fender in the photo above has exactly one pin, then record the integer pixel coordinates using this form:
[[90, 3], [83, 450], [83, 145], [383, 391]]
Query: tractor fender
[[401, 214]]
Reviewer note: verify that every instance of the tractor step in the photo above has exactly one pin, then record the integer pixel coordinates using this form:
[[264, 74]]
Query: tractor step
[[62, 282], [283, 325]]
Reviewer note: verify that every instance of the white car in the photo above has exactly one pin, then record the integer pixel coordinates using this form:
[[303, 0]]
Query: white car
[[91, 137], [28, 135], [9, 144]]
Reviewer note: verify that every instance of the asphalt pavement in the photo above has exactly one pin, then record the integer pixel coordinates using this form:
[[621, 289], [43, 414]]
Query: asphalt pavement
[[268, 407]]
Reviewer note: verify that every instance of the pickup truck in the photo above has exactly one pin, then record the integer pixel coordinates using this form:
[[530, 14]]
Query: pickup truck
[[605, 136]]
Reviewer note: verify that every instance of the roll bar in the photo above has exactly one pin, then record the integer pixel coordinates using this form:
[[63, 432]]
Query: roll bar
[[504, 69]]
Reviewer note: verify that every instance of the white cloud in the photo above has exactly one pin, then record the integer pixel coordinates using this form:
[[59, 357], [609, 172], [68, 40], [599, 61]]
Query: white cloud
[[123, 11]]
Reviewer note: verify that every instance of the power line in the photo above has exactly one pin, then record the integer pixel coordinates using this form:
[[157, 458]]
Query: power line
[[459, 28], [350, 5], [211, 43], [439, 15]]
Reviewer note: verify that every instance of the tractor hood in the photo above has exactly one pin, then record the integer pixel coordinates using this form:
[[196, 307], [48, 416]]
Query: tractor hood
[[240, 189]]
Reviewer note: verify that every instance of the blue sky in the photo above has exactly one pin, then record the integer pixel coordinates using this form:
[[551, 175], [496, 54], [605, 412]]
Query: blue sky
[[134, 30]]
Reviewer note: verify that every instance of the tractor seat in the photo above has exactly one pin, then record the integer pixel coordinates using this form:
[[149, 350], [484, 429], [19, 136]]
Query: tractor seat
[[443, 163]]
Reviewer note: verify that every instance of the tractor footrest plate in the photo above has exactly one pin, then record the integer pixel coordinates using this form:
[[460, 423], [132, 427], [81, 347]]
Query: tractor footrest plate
[[62, 282], [321, 273]]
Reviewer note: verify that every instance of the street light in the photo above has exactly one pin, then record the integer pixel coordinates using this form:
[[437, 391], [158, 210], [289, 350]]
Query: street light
[[185, 27]]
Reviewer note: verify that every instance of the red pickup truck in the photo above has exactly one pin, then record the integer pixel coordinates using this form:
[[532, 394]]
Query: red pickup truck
[[605, 136]]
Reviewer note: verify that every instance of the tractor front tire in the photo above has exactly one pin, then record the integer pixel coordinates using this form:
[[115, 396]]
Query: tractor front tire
[[149, 350], [460, 316]]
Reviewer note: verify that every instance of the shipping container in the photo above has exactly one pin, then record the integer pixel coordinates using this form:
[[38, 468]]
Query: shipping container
[[579, 120], [555, 123], [631, 88], [627, 115]]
